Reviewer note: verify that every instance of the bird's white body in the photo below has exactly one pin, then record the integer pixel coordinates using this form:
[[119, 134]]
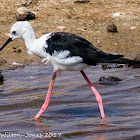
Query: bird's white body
[[36, 47], [59, 59], [65, 51]]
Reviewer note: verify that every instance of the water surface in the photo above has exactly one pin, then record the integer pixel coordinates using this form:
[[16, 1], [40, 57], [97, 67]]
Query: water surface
[[73, 112]]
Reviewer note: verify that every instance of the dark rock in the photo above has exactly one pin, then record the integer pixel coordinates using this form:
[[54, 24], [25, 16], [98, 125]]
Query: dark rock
[[26, 16], [109, 80], [111, 27], [82, 1], [1, 78]]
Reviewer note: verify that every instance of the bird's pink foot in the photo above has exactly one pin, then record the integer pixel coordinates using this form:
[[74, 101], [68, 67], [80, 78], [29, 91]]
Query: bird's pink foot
[[46, 103], [98, 96]]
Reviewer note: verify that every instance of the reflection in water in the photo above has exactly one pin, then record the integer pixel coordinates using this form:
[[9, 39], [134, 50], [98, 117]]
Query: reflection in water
[[73, 110]]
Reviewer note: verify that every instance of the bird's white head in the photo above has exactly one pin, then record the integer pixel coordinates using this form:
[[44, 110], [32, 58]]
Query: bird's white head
[[21, 29]]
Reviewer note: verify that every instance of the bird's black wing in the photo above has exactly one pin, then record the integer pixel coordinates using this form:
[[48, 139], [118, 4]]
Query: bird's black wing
[[77, 46]]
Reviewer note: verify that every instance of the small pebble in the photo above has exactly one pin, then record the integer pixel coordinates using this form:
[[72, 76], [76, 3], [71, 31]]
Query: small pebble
[[118, 14], [28, 2], [105, 67], [111, 27], [2, 61], [119, 66], [19, 51], [82, 1], [137, 57], [61, 27], [133, 27], [14, 47]]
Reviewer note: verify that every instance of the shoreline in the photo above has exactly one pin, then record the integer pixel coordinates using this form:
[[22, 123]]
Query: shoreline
[[88, 20]]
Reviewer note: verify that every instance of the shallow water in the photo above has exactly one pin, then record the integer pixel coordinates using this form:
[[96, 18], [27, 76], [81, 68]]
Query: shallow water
[[73, 112]]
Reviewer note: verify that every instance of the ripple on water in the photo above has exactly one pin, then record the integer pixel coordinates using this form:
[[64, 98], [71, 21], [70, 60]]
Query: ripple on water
[[73, 110]]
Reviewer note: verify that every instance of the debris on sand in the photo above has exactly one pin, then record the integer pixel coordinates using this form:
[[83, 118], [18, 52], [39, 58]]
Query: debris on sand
[[13, 67], [28, 2], [118, 14], [15, 63], [2, 61], [82, 1]]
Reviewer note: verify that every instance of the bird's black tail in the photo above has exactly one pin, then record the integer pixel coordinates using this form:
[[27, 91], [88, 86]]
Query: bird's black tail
[[133, 63], [118, 59]]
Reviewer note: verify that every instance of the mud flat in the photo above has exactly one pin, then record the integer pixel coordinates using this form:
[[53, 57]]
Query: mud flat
[[89, 19]]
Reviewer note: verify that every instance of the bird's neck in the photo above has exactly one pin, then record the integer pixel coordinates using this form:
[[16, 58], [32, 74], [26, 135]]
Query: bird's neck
[[29, 38]]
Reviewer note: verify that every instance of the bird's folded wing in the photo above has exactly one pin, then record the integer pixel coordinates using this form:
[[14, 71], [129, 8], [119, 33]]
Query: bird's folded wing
[[63, 57]]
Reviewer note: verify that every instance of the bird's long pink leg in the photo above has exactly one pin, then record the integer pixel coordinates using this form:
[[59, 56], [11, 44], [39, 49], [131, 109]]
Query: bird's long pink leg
[[98, 96], [46, 103]]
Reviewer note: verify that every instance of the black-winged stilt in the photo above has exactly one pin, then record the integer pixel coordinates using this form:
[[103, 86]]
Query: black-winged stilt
[[66, 52]]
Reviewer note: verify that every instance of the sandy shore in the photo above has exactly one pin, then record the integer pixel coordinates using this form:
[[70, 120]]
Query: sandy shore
[[89, 20]]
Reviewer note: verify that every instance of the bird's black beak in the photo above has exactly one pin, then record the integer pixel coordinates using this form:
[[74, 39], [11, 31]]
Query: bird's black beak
[[8, 41]]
